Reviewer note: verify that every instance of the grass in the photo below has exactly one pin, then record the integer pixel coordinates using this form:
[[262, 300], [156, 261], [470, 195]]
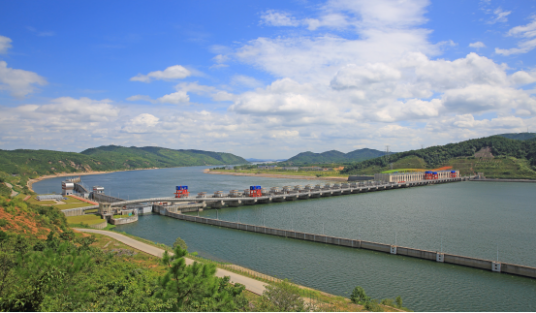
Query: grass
[[142, 259], [70, 203], [89, 219], [503, 167]]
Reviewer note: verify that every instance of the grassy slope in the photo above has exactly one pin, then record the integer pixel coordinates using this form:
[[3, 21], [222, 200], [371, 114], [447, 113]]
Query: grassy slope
[[513, 159]]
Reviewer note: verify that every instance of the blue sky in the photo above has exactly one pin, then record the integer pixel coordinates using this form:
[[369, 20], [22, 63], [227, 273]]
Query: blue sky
[[265, 79]]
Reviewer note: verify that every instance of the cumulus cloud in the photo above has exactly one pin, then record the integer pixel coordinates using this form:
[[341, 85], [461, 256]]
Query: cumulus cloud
[[83, 109], [18, 82], [477, 45], [352, 76], [171, 73], [5, 44], [178, 97], [380, 81], [141, 124]]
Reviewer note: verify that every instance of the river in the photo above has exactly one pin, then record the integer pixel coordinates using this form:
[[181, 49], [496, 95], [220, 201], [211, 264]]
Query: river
[[479, 219]]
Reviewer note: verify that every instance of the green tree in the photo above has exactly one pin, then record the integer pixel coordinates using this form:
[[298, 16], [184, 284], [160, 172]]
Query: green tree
[[284, 296], [373, 306], [398, 302], [359, 295], [194, 287], [181, 243]]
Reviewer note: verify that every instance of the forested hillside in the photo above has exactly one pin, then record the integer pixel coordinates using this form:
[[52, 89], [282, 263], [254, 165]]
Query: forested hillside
[[333, 156], [520, 152], [520, 136], [32, 163]]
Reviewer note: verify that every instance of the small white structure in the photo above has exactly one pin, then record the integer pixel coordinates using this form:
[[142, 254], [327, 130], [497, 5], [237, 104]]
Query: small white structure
[[67, 188]]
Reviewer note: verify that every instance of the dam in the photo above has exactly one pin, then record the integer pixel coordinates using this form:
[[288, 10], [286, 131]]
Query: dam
[[176, 207]]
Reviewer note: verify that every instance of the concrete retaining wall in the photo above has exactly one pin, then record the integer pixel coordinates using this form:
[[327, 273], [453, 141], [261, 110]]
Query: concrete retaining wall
[[122, 221], [99, 226], [78, 211], [513, 269]]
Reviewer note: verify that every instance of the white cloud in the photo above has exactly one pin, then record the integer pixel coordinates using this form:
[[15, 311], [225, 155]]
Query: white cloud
[[358, 77], [171, 73], [178, 97], [522, 47], [274, 18], [141, 124], [526, 31], [80, 109], [5, 44], [140, 98], [500, 16], [477, 45], [247, 81], [18, 82]]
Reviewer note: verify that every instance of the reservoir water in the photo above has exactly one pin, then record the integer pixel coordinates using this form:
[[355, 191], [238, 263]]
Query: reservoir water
[[478, 219]]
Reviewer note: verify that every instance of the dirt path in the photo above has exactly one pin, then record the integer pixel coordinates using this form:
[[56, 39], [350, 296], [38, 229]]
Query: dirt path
[[251, 284], [330, 178]]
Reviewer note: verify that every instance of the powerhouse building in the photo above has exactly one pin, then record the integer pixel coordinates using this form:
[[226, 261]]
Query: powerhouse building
[[398, 177]]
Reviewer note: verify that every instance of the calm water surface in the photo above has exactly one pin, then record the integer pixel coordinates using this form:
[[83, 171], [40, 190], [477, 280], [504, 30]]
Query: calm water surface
[[467, 218]]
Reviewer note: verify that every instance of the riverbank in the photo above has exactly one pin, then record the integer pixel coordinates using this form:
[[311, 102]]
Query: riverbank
[[505, 180], [40, 178], [329, 178]]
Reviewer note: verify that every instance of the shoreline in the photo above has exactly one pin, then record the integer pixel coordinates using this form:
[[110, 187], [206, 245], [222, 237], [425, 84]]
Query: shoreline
[[31, 181], [330, 178]]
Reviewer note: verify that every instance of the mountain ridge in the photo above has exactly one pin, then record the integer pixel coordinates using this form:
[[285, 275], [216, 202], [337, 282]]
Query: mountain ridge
[[334, 156]]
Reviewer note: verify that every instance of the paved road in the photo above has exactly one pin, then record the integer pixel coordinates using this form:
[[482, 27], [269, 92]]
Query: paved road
[[251, 284]]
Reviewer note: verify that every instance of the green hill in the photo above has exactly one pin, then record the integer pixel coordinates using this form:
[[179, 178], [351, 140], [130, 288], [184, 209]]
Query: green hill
[[32, 163], [496, 156], [520, 136], [333, 156]]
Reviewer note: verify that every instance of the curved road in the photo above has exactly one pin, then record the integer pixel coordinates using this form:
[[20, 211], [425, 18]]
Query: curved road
[[251, 284]]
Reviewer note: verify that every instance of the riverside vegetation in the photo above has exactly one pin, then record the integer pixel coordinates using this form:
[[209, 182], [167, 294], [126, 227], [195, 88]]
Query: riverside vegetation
[[46, 266]]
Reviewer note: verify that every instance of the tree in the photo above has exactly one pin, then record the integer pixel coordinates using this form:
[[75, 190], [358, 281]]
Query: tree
[[398, 302], [181, 243], [284, 296], [359, 296], [194, 287]]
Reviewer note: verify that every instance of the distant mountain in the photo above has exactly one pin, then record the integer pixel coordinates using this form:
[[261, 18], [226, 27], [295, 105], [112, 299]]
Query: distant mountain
[[265, 160], [33, 163], [520, 136], [334, 156]]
